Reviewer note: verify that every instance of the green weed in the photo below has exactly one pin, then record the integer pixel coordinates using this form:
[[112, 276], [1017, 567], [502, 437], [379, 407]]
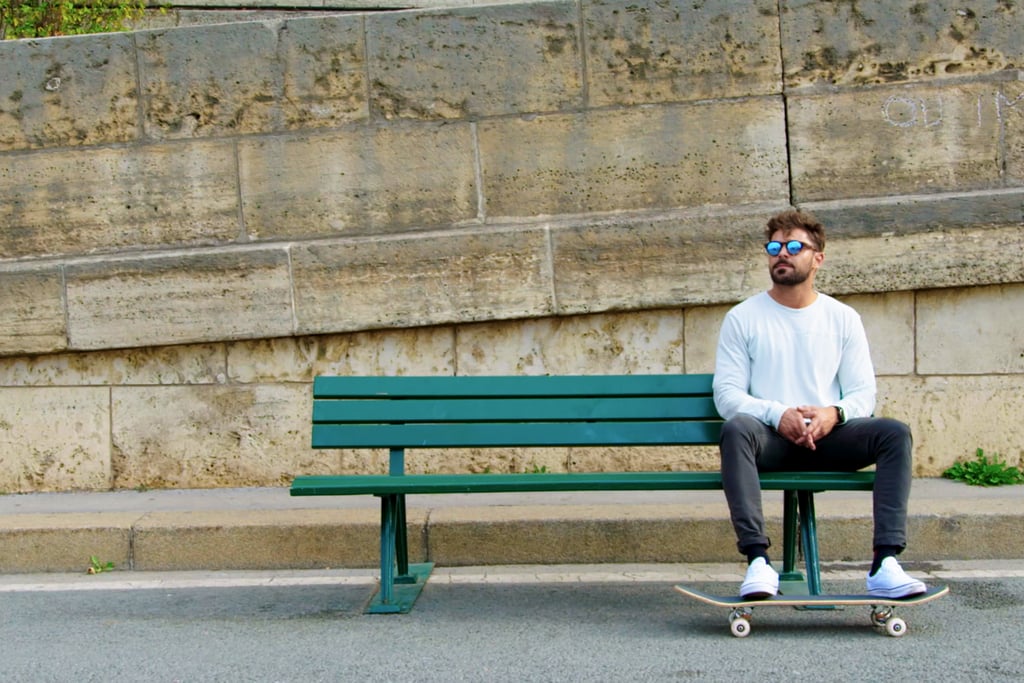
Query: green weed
[[97, 567], [983, 471]]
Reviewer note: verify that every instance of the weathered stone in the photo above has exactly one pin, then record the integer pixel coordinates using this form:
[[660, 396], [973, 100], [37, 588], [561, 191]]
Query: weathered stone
[[203, 436], [362, 181], [324, 62], [105, 199], [952, 416], [893, 141], [417, 351], [68, 92], [697, 258], [889, 323], [647, 342], [908, 214], [978, 331], [32, 311], [1010, 111], [475, 62], [728, 153], [179, 299], [35, 543], [280, 539], [421, 280], [925, 261], [54, 438], [658, 51], [200, 364], [224, 79], [700, 332], [882, 41]]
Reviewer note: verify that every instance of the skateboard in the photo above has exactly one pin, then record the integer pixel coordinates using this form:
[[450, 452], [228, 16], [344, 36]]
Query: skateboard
[[883, 610]]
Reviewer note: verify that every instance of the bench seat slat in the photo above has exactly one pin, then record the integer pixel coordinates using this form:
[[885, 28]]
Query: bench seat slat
[[331, 485], [512, 409], [541, 386], [504, 434]]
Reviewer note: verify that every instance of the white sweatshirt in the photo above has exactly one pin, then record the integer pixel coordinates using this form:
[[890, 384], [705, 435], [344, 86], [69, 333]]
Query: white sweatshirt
[[771, 357]]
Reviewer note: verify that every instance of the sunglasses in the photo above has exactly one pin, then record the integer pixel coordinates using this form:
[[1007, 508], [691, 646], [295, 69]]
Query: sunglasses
[[794, 247]]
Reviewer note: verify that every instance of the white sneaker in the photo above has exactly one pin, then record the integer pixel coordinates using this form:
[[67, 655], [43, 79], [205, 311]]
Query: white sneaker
[[890, 581], [760, 582]]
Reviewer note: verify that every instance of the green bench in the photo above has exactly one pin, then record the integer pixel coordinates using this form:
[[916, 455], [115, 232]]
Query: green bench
[[523, 411]]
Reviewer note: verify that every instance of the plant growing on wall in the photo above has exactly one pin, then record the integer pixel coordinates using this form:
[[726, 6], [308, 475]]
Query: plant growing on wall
[[43, 18]]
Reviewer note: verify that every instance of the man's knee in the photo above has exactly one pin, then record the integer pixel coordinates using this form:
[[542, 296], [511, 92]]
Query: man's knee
[[740, 426]]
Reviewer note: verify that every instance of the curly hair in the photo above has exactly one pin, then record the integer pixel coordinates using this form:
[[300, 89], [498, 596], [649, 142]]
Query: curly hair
[[787, 221]]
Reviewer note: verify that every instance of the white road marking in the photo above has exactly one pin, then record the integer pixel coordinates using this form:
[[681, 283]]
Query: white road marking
[[513, 574]]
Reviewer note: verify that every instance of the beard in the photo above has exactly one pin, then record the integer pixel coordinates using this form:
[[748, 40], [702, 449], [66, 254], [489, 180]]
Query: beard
[[793, 277]]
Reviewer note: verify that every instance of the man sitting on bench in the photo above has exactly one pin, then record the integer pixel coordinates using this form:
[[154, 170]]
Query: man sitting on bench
[[795, 384]]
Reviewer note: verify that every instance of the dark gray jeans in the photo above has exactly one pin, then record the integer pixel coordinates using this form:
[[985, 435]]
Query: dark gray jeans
[[748, 446]]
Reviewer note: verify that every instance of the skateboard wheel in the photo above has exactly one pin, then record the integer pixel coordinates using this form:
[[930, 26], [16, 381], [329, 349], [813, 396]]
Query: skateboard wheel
[[740, 627], [896, 627]]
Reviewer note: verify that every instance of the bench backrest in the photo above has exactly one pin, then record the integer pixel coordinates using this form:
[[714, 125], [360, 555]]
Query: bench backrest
[[566, 410]]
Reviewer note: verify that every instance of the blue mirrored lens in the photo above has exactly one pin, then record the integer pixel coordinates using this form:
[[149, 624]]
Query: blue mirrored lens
[[774, 248]]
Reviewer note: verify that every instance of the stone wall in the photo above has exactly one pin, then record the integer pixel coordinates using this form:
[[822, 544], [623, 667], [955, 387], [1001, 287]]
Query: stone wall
[[198, 220]]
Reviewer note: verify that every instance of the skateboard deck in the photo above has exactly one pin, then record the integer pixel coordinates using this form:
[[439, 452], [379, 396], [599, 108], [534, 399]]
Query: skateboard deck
[[882, 609]]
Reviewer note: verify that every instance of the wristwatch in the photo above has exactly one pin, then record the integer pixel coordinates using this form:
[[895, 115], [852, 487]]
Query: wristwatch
[[841, 413]]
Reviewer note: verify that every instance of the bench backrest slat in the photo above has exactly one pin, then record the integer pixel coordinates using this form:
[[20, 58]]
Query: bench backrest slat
[[482, 434], [537, 386], [369, 411]]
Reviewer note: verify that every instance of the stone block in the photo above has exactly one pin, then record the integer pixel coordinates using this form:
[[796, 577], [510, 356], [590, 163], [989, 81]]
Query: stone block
[[278, 539], [183, 364], [324, 62], [207, 436], [473, 62], [702, 325], [68, 92], [179, 299], [908, 214], [657, 51], [656, 157], [36, 543], [413, 351], [974, 331], [200, 81], [952, 416], [890, 141], [440, 279], [54, 438], [417, 351], [32, 311], [925, 260], [882, 41], [889, 323], [361, 181], [644, 342], [104, 199], [680, 260], [1010, 109]]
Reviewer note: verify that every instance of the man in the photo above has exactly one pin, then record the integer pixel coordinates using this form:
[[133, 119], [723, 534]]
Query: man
[[795, 384]]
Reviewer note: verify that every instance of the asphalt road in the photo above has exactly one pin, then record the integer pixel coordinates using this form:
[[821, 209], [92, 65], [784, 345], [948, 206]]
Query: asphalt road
[[482, 631]]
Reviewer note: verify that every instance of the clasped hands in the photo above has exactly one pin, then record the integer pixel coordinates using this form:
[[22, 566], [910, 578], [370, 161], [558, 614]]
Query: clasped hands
[[805, 425]]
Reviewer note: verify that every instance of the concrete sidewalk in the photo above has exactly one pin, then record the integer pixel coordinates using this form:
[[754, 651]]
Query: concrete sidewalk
[[265, 528]]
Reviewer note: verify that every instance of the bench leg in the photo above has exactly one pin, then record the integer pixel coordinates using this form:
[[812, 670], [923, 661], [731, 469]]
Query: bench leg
[[790, 537], [397, 593], [809, 539]]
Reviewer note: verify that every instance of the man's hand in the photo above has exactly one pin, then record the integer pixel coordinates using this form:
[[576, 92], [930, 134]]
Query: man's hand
[[805, 425]]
